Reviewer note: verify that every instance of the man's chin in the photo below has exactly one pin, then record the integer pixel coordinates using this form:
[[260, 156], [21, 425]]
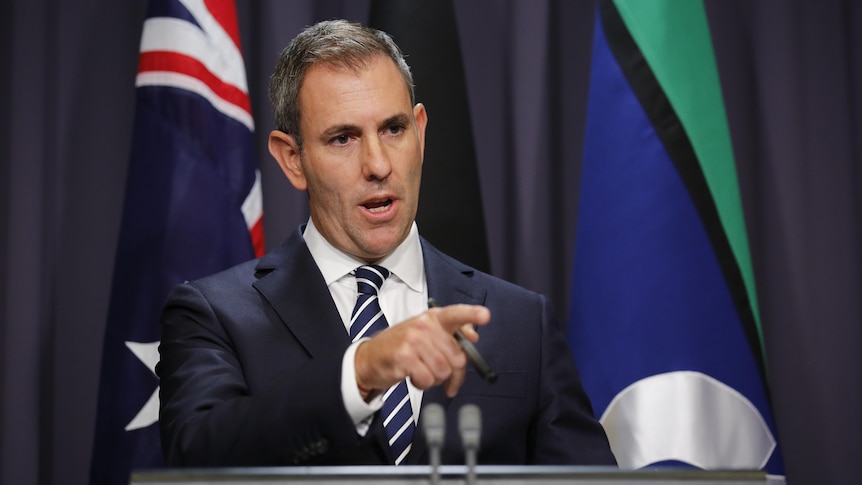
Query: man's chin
[[380, 245]]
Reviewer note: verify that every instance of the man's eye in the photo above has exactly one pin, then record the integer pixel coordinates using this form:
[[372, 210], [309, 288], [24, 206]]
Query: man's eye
[[341, 140], [394, 129]]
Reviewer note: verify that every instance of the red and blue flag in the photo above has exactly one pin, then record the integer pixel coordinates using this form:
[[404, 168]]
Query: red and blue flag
[[192, 207]]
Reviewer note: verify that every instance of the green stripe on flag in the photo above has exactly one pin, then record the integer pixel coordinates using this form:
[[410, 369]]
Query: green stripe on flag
[[673, 36]]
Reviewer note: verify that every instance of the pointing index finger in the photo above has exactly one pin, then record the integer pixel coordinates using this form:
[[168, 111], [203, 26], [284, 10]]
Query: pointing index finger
[[473, 355], [453, 317]]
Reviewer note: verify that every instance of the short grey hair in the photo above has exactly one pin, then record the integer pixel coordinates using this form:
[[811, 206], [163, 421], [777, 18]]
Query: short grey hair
[[338, 43]]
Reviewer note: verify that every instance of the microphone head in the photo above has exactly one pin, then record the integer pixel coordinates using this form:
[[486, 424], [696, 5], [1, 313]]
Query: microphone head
[[433, 420], [470, 425]]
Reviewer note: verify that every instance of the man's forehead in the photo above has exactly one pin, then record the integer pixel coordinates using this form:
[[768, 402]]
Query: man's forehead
[[351, 65], [329, 88]]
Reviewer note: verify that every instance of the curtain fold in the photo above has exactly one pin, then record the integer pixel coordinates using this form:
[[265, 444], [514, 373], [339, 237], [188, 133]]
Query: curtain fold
[[793, 90]]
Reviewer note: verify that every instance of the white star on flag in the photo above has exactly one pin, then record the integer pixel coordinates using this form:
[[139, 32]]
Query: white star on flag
[[148, 353]]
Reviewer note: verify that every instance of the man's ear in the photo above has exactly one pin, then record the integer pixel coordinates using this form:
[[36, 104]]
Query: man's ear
[[421, 117], [285, 150]]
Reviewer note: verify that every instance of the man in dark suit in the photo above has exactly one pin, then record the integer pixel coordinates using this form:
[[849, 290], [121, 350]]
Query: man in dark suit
[[258, 366]]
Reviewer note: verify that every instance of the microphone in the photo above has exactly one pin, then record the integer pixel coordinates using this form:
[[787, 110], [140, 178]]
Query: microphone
[[434, 424], [470, 428]]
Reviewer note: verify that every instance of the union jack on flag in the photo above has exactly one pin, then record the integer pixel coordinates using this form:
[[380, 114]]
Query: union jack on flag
[[192, 207]]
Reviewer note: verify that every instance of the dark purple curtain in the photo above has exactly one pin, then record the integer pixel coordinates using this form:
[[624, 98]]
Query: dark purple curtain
[[792, 77]]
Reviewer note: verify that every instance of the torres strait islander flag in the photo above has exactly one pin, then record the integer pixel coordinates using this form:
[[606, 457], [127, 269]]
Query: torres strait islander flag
[[192, 207], [664, 320]]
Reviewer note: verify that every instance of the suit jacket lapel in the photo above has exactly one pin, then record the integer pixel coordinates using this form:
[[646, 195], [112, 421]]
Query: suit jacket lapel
[[291, 282], [449, 282]]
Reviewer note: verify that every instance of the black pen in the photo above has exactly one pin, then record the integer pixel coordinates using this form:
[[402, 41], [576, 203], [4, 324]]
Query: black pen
[[473, 355]]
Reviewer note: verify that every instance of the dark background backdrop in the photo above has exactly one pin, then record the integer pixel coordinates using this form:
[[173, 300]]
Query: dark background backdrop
[[792, 77]]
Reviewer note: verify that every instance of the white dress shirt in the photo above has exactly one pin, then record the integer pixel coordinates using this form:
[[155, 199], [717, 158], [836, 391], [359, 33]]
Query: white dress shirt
[[403, 295]]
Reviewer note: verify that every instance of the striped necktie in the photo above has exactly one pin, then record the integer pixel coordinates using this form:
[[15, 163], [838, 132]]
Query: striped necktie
[[366, 320]]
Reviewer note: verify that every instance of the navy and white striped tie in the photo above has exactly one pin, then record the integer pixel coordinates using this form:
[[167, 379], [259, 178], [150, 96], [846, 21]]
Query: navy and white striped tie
[[366, 320]]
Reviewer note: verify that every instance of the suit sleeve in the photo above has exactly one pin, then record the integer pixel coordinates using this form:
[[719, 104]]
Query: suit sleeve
[[227, 401], [565, 429]]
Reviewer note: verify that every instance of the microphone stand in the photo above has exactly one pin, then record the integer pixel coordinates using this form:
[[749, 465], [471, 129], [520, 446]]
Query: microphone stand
[[434, 423], [470, 428]]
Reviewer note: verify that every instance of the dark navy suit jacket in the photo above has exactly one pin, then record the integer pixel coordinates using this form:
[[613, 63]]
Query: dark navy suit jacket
[[251, 369]]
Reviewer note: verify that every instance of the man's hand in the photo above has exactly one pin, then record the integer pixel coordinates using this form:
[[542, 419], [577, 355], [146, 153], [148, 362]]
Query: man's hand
[[422, 348]]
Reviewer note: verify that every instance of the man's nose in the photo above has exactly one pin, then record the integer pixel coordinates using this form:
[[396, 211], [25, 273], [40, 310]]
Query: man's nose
[[375, 160]]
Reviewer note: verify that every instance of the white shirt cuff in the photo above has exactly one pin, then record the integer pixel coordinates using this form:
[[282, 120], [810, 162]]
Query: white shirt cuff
[[360, 411]]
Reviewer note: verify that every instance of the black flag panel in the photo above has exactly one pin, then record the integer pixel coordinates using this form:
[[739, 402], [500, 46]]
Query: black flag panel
[[450, 208]]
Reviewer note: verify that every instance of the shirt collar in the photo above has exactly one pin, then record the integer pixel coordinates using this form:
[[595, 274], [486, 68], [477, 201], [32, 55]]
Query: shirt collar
[[405, 261]]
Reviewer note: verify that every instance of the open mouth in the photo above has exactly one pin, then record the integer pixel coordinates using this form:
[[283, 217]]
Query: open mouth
[[378, 205]]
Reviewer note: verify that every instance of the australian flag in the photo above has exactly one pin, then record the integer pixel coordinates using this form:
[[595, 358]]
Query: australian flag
[[192, 207]]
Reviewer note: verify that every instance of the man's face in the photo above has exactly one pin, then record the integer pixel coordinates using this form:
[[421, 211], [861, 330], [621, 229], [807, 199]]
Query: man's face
[[363, 146]]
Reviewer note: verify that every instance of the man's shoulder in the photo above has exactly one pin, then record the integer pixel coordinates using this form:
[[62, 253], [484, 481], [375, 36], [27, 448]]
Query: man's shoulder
[[247, 272], [233, 280]]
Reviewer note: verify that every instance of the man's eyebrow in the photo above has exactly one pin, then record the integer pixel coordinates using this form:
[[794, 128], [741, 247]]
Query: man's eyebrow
[[334, 130], [399, 119], [338, 129]]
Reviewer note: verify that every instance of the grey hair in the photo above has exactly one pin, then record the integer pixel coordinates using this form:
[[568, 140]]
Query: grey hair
[[338, 43]]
